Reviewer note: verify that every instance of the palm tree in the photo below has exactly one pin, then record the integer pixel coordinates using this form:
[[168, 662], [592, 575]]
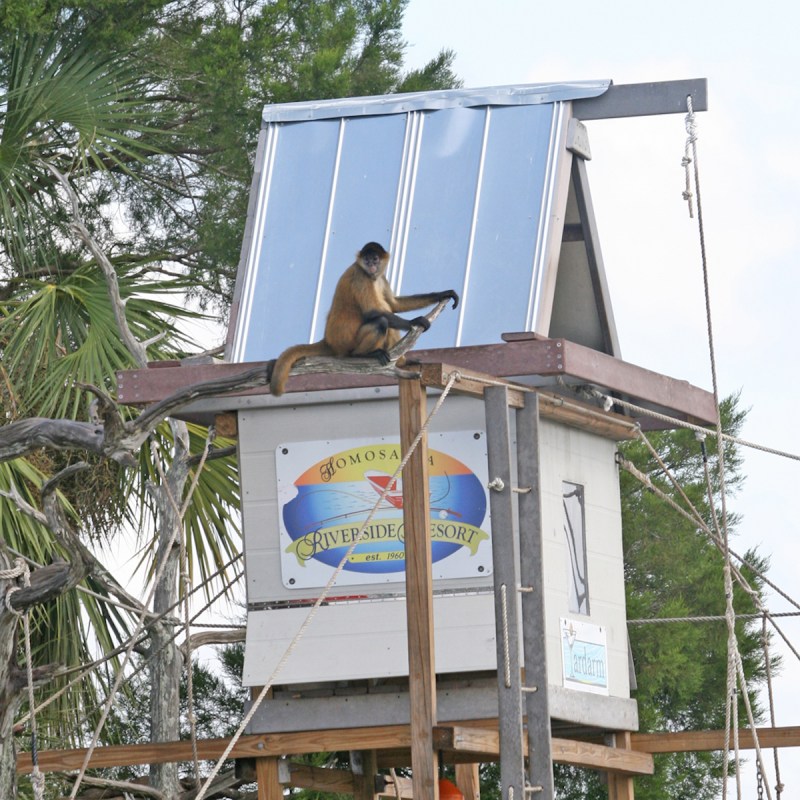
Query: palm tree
[[70, 125]]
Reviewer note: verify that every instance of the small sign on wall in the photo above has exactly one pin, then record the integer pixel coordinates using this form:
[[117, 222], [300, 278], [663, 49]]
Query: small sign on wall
[[329, 490], [584, 656]]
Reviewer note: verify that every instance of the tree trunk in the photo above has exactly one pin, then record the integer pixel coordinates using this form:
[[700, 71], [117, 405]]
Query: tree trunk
[[167, 662], [9, 695]]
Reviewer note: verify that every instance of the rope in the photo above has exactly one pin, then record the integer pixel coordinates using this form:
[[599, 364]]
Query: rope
[[680, 423], [713, 617], [506, 654], [92, 666], [734, 657], [696, 520], [768, 671], [735, 664], [20, 570], [452, 378]]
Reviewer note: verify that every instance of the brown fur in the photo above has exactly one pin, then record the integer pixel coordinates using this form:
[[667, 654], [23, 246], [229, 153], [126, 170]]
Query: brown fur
[[362, 320]]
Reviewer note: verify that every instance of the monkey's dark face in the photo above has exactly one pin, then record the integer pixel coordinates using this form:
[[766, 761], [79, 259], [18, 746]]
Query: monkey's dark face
[[372, 258]]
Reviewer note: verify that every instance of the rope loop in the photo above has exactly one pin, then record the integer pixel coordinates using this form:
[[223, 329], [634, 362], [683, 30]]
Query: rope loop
[[19, 570]]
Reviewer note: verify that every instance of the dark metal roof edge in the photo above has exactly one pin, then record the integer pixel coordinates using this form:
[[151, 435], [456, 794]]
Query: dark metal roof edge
[[524, 94]]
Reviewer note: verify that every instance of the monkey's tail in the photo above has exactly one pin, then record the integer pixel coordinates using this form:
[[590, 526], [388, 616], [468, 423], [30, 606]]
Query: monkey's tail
[[289, 357]]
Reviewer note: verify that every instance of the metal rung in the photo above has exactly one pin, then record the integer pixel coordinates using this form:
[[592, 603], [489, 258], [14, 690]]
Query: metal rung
[[530, 689], [533, 789], [525, 589]]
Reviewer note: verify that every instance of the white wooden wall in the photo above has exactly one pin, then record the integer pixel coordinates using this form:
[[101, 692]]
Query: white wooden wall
[[367, 639]]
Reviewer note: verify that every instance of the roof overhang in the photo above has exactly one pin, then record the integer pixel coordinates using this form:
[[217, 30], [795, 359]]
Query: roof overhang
[[556, 364]]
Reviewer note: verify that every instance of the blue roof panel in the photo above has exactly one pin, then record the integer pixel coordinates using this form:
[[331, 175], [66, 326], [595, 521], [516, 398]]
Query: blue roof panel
[[457, 185]]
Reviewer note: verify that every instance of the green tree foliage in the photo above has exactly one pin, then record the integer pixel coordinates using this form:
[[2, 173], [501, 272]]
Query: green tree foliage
[[201, 74], [151, 108]]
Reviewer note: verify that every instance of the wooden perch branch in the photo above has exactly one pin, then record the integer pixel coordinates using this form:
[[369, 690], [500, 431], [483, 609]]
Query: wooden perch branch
[[247, 379], [307, 366], [120, 440], [104, 786]]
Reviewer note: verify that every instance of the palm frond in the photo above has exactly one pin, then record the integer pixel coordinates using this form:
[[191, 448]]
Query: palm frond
[[211, 524], [66, 106], [62, 334]]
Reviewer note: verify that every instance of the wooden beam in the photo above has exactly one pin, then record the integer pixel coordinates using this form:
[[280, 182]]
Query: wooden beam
[[643, 100], [468, 781], [552, 406], [279, 744], [466, 739], [519, 355], [460, 743], [396, 786], [364, 765], [598, 756], [620, 787], [692, 741], [419, 589], [469, 382], [269, 786], [318, 779]]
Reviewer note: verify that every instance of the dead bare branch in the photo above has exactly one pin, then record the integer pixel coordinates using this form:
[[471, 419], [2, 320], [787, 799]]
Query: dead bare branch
[[125, 788], [137, 350], [21, 437], [213, 637], [247, 379], [13, 494]]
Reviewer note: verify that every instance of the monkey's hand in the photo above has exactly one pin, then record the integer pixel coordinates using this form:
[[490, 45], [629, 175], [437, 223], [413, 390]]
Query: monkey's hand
[[448, 295], [421, 322]]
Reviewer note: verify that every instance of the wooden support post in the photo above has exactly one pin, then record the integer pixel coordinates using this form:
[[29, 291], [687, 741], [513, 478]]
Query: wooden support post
[[620, 787], [468, 781], [364, 764], [419, 592], [537, 710], [509, 689], [269, 785]]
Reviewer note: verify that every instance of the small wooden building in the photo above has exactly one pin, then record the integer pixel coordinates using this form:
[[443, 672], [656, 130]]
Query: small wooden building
[[485, 192]]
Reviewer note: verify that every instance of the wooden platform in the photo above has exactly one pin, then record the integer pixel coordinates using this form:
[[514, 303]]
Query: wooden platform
[[457, 744]]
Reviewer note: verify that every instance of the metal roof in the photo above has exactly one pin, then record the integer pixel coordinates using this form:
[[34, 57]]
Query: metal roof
[[458, 185]]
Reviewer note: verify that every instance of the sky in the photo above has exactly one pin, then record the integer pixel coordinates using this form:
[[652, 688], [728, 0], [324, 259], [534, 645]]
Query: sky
[[750, 190]]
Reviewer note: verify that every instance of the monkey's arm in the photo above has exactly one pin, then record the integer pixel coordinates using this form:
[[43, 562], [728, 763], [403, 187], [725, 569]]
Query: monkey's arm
[[378, 317], [411, 302]]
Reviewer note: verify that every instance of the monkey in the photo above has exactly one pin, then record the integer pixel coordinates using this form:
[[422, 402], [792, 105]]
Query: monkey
[[362, 319]]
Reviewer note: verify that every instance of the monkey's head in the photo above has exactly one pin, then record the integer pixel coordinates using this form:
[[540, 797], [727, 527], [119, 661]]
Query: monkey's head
[[372, 258]]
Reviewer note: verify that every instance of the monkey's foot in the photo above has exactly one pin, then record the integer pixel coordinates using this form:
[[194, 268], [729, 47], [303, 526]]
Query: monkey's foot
[[381, 355]]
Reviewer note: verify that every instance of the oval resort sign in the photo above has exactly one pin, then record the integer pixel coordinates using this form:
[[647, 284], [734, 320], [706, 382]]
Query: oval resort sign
[[325, 504]]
